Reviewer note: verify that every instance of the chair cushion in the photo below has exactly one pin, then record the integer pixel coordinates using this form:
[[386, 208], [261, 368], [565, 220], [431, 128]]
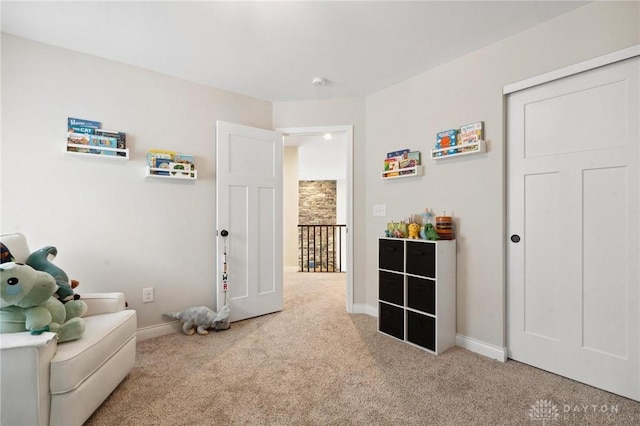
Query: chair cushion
[[76, 360]]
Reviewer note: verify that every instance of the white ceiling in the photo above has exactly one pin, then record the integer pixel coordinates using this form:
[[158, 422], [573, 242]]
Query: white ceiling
[[273, 49]]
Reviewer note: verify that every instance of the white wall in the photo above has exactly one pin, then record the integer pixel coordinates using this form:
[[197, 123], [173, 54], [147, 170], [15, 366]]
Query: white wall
[[320, 159], [473, 188], [114, 229], [290, 208]]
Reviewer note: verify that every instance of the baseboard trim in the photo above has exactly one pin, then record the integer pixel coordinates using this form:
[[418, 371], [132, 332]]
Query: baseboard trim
[[157, 330], [482, 348], [361, 308]]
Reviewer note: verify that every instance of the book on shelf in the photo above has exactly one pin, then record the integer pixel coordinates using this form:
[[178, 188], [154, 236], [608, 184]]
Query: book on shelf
[[179, 169], [102, 141], [416, 157], [80, 125], [187, 160], [162, 163], [156, 158], [471, 133], [121, 139], [391, 164], [399, 153], [77, 139], [446, 138]]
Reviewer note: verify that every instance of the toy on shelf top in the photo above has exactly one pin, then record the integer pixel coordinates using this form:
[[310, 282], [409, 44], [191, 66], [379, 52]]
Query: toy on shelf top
[[439, 229], [427, 218]]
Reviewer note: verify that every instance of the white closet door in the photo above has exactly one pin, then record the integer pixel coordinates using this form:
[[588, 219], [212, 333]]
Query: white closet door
[[573, 189]]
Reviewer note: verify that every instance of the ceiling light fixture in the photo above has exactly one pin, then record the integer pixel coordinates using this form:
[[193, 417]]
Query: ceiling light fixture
[[319, 81]]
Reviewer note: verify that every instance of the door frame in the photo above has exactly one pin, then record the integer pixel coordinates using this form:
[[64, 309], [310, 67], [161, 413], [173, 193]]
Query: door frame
[[600, 61], [347, 131]]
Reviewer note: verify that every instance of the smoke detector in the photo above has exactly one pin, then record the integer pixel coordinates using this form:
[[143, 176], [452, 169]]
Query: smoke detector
[[319, 81]]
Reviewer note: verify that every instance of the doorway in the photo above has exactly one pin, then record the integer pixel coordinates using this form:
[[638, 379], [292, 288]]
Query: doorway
[[295, 137]]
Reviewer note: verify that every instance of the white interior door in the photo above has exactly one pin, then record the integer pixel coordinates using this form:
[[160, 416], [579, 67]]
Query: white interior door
[[249, 207], [573, 189]]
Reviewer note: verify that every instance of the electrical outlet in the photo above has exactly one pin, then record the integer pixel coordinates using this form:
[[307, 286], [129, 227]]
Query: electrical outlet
[[379, 210], [147, 295]]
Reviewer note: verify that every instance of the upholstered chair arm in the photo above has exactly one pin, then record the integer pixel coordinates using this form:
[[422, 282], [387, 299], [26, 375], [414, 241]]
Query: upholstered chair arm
[[103, 303], [24, 371]]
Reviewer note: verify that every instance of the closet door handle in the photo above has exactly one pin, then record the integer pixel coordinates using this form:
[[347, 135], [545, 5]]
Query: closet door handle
[[515, 238]]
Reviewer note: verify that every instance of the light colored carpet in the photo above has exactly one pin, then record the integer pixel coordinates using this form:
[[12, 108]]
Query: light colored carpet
[[314, 364]]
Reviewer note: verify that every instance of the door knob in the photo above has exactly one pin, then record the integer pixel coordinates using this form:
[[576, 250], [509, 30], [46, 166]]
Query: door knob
[[515, 238], [224, 232]]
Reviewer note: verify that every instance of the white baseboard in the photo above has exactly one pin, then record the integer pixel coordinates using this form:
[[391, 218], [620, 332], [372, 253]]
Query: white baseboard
[[482, 348], [361, 308], [469, 343], [158, 330]]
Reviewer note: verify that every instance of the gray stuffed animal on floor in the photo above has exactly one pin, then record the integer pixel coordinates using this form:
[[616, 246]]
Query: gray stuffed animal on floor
[[201, 318]]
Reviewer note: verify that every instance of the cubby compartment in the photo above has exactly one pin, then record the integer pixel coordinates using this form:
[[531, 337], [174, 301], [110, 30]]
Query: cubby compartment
[[390, 287], [391, 254], [421, 330], [421, 295], [421, 259], [391, 320]]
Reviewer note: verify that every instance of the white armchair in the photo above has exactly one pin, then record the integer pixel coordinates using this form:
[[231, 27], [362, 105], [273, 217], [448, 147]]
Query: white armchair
[[46, 383]]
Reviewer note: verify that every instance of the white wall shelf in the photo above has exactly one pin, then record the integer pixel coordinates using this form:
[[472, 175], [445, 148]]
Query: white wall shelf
[[402, 173], [116, 156], [459, 150], [190, 175]]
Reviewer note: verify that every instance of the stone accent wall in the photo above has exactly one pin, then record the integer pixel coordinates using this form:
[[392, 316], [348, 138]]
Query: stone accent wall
[[317, 202], [316, 206]]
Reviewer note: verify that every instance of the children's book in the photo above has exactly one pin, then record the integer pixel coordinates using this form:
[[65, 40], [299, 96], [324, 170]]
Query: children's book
[[186, 159], [158, 154], [179, 169], [400, 153], [120, 137], [77, 139], [163, 163], [471, 133], [102, 141], [446, 138], [79, 125]]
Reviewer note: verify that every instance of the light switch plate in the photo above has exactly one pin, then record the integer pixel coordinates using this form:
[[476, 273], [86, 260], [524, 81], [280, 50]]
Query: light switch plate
[[379, 210]]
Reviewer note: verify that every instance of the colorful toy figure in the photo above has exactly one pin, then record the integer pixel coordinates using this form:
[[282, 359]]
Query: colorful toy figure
[[430, 232], [414, 230]]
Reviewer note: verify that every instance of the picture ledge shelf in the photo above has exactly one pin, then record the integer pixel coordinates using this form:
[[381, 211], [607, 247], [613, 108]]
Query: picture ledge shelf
[[459, 150], [402, 173], [124, 151], [174, 175]]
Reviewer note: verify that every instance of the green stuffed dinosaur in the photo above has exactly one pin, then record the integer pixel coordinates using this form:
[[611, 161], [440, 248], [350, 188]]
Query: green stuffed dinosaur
[[26, 304], [39, 260]]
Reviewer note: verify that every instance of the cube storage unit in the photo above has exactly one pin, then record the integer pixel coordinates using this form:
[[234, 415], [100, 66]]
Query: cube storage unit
[[417, 292]]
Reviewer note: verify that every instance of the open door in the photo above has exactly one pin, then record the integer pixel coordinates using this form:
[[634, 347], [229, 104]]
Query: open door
[[249, 208]]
